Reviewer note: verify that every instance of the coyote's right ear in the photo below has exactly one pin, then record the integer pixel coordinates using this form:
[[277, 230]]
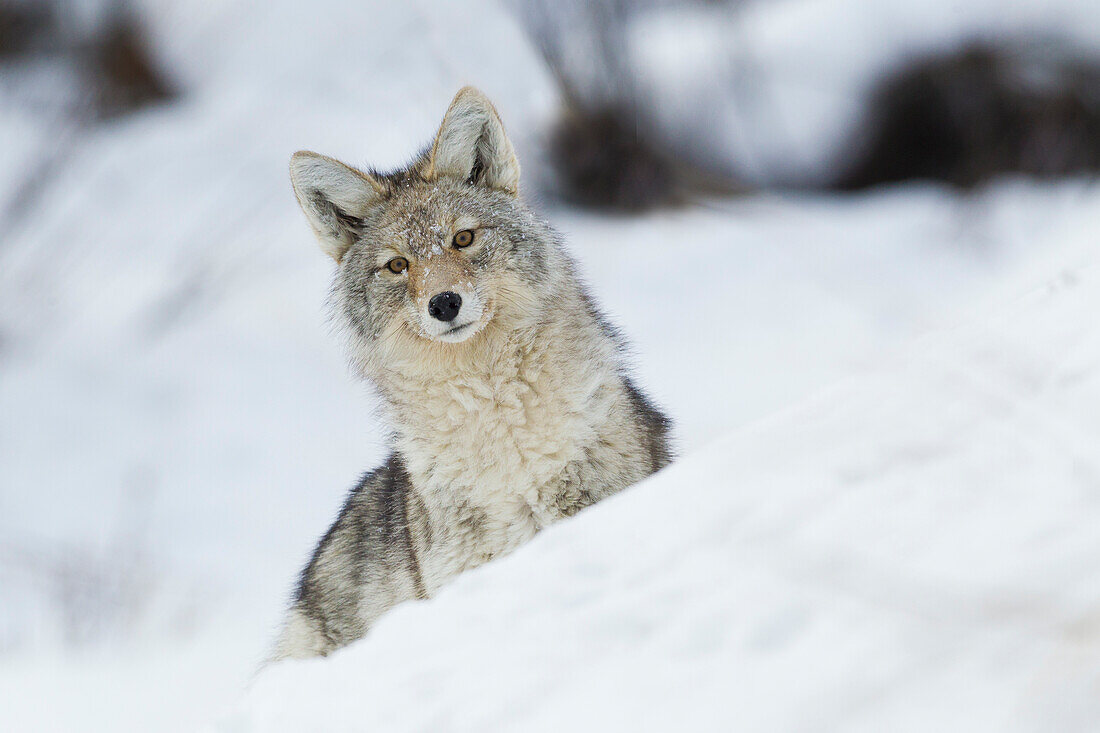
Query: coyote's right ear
[[334, 197]]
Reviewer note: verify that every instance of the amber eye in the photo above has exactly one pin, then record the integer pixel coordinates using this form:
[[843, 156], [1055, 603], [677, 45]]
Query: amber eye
[[464, 238], [398, 265]]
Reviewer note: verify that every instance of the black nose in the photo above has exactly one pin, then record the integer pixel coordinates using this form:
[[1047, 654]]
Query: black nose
[[444, 306]]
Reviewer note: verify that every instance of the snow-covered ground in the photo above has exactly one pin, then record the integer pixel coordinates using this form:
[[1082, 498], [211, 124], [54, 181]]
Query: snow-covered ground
[[177, 427], [915, 548]]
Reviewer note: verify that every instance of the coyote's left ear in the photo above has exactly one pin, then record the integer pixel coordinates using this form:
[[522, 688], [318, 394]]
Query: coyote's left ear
[[471, 145]]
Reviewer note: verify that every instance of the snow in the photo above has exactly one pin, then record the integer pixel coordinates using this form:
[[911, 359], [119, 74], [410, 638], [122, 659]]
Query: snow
[[178, 426], [911, 549]]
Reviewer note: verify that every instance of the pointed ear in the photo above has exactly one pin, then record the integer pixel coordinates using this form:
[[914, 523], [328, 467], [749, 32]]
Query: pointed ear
[[471, 145], [334, 198]]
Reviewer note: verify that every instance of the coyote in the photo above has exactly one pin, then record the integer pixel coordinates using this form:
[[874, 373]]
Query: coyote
[[506, 391]]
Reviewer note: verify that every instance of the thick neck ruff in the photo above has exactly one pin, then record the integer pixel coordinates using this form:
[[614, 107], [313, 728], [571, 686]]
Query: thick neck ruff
[[506, 415]]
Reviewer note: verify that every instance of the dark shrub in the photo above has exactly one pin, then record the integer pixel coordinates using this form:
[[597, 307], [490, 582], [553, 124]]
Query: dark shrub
[[979, 112]]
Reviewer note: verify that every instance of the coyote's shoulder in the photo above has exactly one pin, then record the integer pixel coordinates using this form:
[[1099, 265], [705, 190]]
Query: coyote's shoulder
[[506, 391]]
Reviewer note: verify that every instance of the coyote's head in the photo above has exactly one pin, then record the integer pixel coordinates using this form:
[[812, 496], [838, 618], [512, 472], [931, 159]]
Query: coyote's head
[[433, 256]]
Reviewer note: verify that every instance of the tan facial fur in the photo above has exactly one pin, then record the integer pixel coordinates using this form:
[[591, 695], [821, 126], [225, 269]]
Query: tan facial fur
[[438, 268]]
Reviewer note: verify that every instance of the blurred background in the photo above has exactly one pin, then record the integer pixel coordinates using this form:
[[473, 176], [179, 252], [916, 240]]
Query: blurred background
[[764, 194]]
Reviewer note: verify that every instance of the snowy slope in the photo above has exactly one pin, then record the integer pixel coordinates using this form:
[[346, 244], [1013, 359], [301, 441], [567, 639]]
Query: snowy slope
[[914, 549]]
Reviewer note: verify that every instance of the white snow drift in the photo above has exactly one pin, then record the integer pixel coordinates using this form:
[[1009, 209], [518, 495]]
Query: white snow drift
[[914, 549]]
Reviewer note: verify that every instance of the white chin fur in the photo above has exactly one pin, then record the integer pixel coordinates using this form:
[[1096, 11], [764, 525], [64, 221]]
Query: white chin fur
[[457, 334]]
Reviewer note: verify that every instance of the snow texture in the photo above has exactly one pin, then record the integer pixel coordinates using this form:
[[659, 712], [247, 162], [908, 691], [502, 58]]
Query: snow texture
[[914, 548], [177, 426]]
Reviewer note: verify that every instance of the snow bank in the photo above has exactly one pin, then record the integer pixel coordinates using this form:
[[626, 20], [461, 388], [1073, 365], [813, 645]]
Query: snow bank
[[914, 549]]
